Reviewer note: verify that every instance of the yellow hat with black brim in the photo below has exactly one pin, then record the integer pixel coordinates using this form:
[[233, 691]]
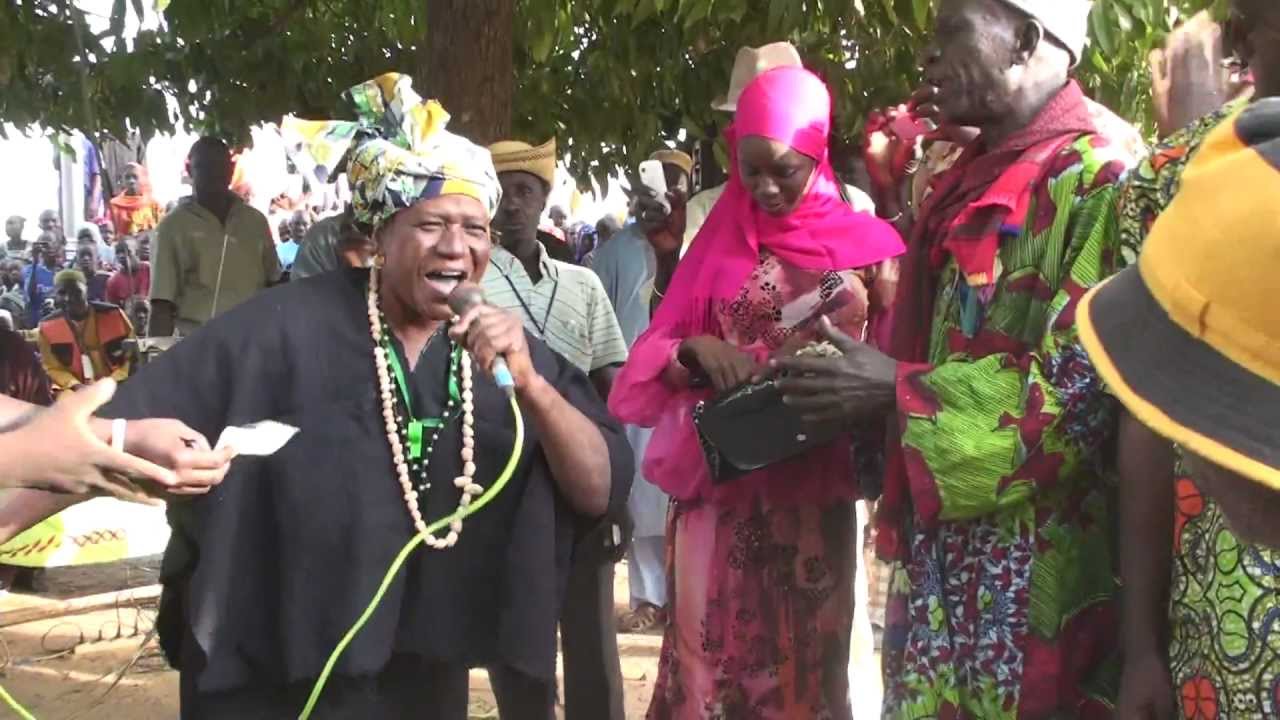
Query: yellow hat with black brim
[[1189, 339]]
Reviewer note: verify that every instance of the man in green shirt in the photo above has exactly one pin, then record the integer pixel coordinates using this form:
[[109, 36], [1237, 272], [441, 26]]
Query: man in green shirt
[[212, 252]]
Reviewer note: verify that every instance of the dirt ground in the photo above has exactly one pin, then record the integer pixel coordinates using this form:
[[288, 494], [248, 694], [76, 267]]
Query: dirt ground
[[107, 665]]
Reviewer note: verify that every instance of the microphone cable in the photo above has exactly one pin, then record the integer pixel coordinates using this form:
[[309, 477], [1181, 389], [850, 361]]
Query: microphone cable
[[516, 448]]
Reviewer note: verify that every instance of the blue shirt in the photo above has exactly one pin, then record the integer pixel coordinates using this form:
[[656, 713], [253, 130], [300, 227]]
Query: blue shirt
[[37, 290], [287, 251]]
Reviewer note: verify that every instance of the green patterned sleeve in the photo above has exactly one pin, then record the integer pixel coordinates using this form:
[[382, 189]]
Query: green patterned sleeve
[[987, 430]]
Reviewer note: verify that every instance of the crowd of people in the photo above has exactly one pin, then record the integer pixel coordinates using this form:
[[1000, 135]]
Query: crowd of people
[[1043, 351]]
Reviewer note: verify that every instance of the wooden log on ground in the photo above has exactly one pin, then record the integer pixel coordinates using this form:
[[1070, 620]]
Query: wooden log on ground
[[80, 605]]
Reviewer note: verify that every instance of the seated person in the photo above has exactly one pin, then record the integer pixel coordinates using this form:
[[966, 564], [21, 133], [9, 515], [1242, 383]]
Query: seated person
[[83, 341]]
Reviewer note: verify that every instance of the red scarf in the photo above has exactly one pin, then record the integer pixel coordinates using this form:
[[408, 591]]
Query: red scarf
[[965, 218]]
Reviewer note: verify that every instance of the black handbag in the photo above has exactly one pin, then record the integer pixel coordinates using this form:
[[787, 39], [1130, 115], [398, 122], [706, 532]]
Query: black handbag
[[749, 428]]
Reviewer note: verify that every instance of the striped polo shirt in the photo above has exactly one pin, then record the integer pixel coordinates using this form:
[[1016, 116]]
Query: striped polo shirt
[[568, 308]]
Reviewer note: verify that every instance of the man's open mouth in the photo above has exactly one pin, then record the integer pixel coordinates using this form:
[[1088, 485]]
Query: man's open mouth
[[444, 281]]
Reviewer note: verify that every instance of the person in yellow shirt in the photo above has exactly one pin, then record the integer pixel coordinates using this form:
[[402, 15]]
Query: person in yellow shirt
[[83, 341]]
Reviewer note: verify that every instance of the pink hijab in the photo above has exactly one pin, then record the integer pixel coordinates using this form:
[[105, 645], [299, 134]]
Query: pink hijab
[[792, 106]]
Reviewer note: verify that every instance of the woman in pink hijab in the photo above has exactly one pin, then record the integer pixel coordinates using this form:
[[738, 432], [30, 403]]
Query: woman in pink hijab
[[761, 566]]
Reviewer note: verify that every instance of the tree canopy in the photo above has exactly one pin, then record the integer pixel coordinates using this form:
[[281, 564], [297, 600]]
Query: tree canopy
[[609, 78]]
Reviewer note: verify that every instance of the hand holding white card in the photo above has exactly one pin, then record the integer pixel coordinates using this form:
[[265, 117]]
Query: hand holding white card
[[261, 438]]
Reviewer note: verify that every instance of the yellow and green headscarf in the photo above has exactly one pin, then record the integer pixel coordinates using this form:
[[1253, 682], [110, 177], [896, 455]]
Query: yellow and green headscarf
[[398, 151]]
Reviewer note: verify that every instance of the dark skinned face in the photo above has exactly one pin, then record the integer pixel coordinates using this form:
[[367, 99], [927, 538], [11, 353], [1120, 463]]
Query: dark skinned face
[[1253, 35], [12, 273], [524, 197], [13, 227], [298, 227], [144, 248], [210, 170], [140, 316], [86, 261], [108, 234], [677, 183], [48, 248], [72, 297], [775, 175], [430, 248], [124, 257], [968, 59], [50, 223], [132, 183]]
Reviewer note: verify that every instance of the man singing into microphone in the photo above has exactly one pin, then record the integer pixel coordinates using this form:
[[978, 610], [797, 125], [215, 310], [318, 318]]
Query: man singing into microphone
[[401, 424]]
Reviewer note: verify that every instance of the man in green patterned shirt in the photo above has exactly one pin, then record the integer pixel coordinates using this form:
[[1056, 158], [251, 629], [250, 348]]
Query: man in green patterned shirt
[[995, 509]]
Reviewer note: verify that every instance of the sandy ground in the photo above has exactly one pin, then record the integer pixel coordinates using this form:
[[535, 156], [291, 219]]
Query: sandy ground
[[107, 665]]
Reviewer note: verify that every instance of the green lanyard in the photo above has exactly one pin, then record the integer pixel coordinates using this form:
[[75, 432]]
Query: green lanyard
[[418, 426]]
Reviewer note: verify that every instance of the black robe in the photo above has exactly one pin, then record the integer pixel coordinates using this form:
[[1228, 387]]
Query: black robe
[[265, 575]]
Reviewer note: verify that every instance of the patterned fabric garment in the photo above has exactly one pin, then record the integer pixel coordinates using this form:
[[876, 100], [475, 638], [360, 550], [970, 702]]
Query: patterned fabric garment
[[1225, 594], [399, 151], [1003, 606], [762, 584]]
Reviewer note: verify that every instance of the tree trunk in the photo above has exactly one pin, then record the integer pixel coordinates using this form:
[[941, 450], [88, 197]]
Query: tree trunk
[[468, 65]]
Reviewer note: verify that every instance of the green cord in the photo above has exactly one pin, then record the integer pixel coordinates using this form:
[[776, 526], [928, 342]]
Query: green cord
[[409, 547], [13, 705]]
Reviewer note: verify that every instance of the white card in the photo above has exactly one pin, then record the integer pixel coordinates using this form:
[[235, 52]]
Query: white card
[[261, 438]]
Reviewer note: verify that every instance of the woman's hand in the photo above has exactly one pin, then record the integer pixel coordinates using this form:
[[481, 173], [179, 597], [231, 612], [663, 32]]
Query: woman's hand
[[725, 365], [489, 333], [60, 451], [859, 385]]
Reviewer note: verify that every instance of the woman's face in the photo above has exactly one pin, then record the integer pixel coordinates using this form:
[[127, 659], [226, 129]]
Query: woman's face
[[431, 247], [776, 176], [132, 184]]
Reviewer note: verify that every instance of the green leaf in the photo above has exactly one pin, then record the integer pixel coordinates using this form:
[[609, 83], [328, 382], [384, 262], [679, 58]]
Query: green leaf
[[117, 18], [161, 5], [921, 9], [1102, 30], [645, 9], [891, 10]]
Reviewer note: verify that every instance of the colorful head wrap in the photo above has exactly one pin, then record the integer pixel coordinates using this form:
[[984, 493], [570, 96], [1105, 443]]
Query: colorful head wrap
[[398, 151]]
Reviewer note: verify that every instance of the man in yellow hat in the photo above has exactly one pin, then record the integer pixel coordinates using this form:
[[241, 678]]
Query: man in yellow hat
[[1197, 635], [566, 307], [535, 167]]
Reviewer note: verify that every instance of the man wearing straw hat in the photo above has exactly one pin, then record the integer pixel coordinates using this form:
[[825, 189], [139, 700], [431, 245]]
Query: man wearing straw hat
[[566, 307]]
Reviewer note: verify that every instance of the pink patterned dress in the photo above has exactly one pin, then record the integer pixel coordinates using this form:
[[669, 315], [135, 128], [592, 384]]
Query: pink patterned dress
[[761, 568]]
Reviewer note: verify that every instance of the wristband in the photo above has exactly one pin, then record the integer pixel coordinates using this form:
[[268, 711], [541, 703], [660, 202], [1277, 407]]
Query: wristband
[[118, 427]]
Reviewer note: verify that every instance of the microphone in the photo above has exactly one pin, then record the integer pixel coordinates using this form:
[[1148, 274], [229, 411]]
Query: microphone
[[464, 297]]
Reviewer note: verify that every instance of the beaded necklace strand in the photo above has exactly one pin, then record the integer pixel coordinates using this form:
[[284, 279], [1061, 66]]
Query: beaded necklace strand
[[405, 432]]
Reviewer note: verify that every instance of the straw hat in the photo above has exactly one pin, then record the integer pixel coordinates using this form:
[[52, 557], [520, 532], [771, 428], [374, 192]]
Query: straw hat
[[1189, 339], [517, 156], [752, 62]]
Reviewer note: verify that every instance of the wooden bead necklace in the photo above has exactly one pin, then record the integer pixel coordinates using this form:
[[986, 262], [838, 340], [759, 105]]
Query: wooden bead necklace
[[404, 435]]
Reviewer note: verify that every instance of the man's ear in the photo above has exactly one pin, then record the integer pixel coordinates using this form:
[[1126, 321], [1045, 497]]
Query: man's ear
[[1028, 38]]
